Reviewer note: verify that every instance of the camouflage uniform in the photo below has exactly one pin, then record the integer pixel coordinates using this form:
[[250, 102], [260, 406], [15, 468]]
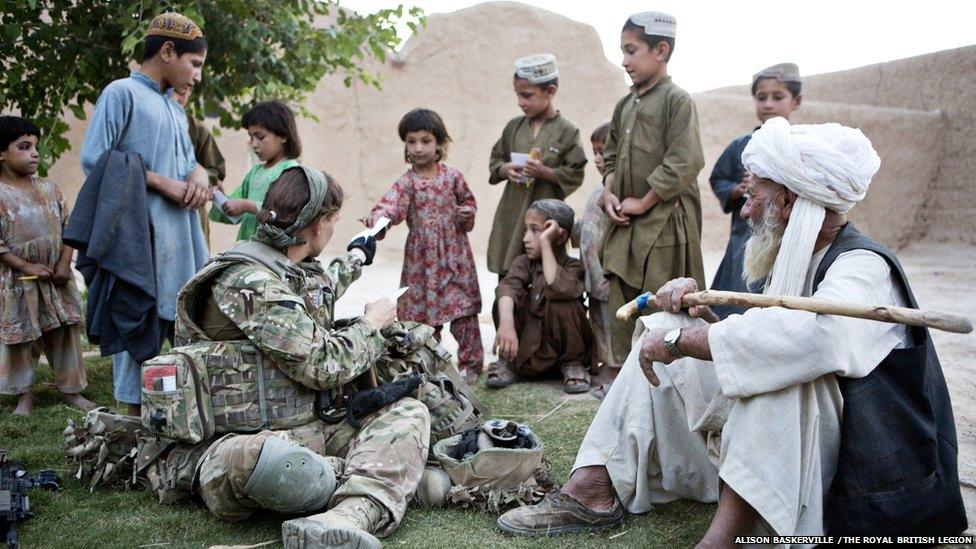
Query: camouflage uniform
[[291, 323]]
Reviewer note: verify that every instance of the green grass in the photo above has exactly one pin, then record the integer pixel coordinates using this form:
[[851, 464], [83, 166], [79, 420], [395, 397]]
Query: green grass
[[74, 517]]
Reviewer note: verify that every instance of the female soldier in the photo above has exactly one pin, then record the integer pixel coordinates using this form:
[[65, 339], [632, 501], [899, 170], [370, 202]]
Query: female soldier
[[271, 294]]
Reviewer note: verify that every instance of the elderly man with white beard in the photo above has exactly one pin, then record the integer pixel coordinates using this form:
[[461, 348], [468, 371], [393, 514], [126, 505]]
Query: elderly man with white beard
[[798, 424]]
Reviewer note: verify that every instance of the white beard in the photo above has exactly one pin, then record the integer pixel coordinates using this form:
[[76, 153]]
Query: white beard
[[763, 246]]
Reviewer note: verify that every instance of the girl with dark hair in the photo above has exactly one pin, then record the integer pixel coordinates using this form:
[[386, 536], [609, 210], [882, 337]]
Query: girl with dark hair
[[438, 265], [274, 139]]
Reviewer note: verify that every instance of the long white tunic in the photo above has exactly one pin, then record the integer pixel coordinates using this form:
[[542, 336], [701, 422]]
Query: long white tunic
[[771, 391]]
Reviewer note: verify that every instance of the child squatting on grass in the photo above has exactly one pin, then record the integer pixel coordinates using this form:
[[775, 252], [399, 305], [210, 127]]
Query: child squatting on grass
[[40, 308], [539, 313]]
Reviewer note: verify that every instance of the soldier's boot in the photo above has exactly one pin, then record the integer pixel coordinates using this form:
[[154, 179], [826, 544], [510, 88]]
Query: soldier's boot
[[348, 525]]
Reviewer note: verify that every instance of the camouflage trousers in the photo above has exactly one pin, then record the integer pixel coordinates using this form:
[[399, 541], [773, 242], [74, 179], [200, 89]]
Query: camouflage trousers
[[383, 460]]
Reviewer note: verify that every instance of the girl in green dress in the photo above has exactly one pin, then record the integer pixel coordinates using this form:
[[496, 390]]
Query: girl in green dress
[[274, 139]]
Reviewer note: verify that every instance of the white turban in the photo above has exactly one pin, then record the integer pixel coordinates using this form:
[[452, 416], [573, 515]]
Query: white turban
[[827, 166]]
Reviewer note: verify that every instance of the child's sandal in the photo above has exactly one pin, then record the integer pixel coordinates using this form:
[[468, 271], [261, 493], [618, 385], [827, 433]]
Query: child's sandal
[[576, 379]]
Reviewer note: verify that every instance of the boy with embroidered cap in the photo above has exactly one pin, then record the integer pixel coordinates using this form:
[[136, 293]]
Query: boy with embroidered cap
[[555, 166], [776, 91], [138, 115], [652, 159]]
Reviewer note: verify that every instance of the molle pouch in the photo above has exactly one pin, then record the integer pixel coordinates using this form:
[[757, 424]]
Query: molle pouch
[[176, 396]]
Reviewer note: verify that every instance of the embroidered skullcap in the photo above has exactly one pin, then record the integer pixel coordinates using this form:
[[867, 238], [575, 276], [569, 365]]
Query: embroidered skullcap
[[827, 166], [556, 210], [655, 23], [783, 72], [537, 68], [174, 25]]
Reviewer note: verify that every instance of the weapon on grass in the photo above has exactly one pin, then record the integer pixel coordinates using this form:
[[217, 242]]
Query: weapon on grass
[[14, 503], [948, 322]]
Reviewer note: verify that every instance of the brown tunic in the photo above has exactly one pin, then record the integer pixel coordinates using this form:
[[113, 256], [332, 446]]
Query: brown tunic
[[550, 319], [562, 150]]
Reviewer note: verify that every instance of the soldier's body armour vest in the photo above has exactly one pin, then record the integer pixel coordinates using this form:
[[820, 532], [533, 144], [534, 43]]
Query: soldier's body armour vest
[[220, 386]]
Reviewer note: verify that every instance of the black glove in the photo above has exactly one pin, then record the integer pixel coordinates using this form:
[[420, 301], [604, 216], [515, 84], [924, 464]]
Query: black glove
[[367, 244]]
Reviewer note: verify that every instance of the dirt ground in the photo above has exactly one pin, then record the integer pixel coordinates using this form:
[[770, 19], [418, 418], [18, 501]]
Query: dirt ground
[[939, 274]]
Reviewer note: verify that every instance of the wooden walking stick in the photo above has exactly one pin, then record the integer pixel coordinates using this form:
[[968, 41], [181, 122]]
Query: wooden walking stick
[[882, 313]]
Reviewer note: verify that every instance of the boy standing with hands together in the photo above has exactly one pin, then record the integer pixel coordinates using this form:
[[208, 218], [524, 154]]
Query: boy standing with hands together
[[652, 159]]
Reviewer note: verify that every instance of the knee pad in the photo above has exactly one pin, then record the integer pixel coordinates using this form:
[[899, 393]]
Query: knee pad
[[289, 478]]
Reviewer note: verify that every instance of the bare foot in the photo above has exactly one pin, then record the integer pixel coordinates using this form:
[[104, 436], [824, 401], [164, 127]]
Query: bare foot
[[605, 375], [733, 517], [133, 410], [25, 403], [78, 401], [592, 487], [469, 375]]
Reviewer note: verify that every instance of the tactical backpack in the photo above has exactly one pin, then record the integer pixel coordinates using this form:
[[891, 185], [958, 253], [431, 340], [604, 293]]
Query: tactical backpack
[[213, 387]]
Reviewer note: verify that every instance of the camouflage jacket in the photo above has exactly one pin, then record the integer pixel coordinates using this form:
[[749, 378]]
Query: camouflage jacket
[[288, 318]]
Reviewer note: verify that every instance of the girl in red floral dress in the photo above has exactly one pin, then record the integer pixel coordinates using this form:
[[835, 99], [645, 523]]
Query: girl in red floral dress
[[438, 265]]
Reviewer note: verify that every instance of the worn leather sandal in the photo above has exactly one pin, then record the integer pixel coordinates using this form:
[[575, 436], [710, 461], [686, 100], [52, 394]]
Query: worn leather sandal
[[575, 378], [559, 514]]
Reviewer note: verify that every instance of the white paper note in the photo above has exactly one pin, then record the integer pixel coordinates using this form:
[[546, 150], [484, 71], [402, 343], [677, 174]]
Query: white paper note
[[380, 224], [396, 295], [520, 159], [219, 199]]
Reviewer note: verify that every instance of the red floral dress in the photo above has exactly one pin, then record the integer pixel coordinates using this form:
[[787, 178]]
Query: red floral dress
[[438, 264]]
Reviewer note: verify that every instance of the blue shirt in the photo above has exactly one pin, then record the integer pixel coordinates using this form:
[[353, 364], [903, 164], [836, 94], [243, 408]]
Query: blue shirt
[[132, 115]]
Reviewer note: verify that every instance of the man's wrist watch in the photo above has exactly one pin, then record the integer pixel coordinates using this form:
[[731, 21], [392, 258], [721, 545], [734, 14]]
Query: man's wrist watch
[[671, 343]]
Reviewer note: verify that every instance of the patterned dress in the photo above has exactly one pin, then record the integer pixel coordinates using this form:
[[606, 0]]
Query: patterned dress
[[31, 222], [36, 315], [438, 264]]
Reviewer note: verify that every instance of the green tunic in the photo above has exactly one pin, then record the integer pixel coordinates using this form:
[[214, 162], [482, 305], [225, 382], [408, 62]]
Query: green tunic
[[654, 143], [562, 150], [255, 184]]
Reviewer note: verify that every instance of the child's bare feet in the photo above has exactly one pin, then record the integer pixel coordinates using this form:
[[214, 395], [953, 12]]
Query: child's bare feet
[[469, 375], [25, 403], [78, 401]]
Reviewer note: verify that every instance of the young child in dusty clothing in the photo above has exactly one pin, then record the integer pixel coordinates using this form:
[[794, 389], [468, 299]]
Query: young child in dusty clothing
[[588, 232], [555, 170], [438, 265], [776, 91], [539, 314], [274, 139], [40, 308]]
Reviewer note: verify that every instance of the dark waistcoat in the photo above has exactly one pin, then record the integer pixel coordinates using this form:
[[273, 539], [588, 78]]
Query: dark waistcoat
[[896, 471]]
